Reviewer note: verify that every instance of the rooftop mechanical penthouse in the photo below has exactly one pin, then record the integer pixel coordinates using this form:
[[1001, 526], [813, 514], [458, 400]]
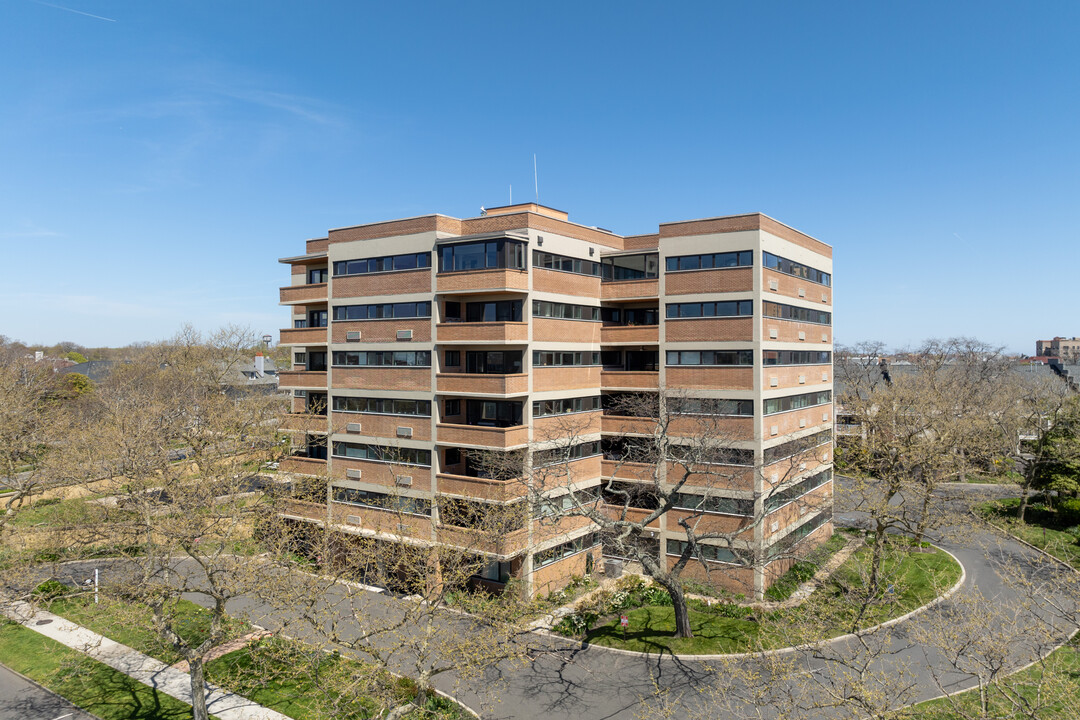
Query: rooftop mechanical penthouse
[[418, 342]]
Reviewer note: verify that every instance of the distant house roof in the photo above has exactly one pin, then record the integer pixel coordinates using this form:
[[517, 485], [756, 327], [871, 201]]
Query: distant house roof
[[96, 370]]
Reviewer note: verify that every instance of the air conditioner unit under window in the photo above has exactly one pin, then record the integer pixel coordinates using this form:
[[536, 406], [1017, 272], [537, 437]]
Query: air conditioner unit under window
[[404, 432], [353, 473], [353, 427], [404, 334], [404, 480], [352, 335]]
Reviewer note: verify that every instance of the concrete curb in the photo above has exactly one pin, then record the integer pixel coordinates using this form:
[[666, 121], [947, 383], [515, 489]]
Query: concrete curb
[[682, 657]]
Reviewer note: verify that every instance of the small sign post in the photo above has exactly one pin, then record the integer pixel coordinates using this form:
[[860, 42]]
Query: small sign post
[[625, 622]]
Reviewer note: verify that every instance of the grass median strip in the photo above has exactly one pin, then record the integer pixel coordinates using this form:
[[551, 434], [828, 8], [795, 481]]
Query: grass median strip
[[91, 685], [914, 578]]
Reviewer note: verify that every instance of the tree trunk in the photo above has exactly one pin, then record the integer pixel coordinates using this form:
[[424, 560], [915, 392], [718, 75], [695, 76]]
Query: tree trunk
[[198, 690], [1023, 501]]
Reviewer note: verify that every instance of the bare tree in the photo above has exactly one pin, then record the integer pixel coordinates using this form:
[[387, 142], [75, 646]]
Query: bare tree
[[181, 444], [927, 420], [685, 462]]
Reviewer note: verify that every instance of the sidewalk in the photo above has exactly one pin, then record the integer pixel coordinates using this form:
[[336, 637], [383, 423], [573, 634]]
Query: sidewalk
[[145, 669]]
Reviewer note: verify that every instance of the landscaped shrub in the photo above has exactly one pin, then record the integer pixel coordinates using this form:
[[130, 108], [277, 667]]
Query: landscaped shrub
[[656, 595], [1069, 512], [51, 589]]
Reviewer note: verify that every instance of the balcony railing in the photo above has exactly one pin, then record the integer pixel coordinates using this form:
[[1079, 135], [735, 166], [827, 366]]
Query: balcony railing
[[303, 336], [481, 488], [299, 294], [638, 334], [481, 384], [303, 465], [302, 379], [482, 436], [630, 379], [474, 281], [629, 289], [304, 422], [482, 332]]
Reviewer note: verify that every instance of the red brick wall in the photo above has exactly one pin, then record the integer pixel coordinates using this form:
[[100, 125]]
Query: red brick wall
[[382, 330], [383, 378], [551, 330], [705, 378], [382, 426], [553, 281], [710, 329], [789, 286], [787, 376], [391, 283], [709, 281], [566, 378]]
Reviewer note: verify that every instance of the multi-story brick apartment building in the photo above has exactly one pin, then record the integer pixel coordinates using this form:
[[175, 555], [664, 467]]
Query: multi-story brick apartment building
[[418, 340], [1067, 349]]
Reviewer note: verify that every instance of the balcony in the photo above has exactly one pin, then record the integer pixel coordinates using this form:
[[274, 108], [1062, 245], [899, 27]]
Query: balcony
[[482, 384], [478, 281], [303, 294], [643, 472], [630, 379], [505, 546], [571, 377], [303, 466], [302, 379], [303, 336], [304, 422], [480, 488], [630, 289], [630, 514], [483, 436], [482, 332], [622, 425], [636, 334]]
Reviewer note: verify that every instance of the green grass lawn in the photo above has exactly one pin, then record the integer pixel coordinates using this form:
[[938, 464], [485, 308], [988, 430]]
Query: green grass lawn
[[308, 685], [59, 513], [131, 624], [1039, 530], [1055, 683], [914, 579], [805, 569], [91, 685]]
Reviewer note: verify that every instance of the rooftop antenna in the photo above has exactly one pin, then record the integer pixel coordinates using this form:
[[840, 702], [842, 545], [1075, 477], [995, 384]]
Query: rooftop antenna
[[511, 193], [536, 180]]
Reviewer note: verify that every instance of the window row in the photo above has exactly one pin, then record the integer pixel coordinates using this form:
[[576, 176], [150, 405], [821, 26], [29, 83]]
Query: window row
[[630, 267], [630, 316], [384, 501], [793, 448], [565, 311], [783, 497], [712, 503], [797, 402], [400, 358], [490, 311], [489, 413], [789, 267], [565, 406], [569, 501], [409, 261], [482, 255], [726, 308], [383, 311], [710, 357], [801, 314], [547, 358], [796, 357], [551, 261], [789, 540], [708, 261], [382, 406], [706, 552], [565, 454], [489, 362], [546, 557], [383, 453], [710, 406]]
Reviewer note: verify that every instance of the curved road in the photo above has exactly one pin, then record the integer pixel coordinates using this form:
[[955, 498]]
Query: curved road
[[567, 681]]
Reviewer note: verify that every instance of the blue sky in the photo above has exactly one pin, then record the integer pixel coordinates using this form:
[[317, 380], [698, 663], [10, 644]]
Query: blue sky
[[156, 158]]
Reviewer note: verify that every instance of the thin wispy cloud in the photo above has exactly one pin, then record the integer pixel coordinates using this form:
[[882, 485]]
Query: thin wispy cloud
[[72, 10], [29, 231]]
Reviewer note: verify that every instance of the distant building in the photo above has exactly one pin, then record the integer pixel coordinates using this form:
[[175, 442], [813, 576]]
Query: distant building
[[1068, 349]]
